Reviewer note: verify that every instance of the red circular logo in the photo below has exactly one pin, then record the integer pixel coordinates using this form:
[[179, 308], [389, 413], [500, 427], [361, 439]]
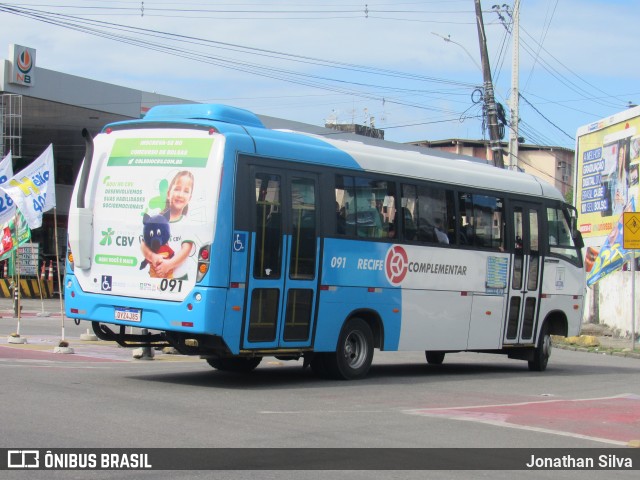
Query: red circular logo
[[396, 264]]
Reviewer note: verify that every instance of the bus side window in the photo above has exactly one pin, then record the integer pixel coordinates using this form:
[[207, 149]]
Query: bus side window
[[267, 258], [428, 214], [410, 205], [464, 217], [345, 205], [365, 207], [481, 219], [435, 224]]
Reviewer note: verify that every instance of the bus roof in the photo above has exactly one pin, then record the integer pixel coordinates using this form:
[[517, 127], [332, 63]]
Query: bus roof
[[431, 166], [424, 163], [383, 157]]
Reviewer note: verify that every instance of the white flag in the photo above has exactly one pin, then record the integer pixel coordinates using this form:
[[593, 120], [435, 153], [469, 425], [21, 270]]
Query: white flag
[[7, 207], [33, 189]]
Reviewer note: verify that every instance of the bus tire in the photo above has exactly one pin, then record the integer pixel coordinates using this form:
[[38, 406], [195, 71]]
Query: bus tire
[[353, 356], [319, 366], [237, 365], [542, 351], [434, 358]]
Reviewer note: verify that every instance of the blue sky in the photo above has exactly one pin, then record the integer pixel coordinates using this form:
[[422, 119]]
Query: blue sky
[[313, 61]]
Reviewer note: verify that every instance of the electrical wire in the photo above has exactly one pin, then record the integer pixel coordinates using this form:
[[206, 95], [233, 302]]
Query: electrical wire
[[189, 47], [98, 28]]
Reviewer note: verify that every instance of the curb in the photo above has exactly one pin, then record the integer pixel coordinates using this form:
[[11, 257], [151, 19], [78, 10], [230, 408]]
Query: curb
[[28, 313], [99, 349], [596, 349]]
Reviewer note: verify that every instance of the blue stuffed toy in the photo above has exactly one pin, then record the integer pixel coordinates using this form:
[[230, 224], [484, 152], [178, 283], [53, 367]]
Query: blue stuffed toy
[[156, 233]]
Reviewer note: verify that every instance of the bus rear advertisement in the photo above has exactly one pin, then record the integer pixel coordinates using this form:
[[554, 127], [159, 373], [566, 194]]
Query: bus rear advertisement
[[136, 180], [209, 233]]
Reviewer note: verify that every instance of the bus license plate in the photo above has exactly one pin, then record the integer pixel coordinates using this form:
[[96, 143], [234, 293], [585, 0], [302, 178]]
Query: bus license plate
[[128, 314]]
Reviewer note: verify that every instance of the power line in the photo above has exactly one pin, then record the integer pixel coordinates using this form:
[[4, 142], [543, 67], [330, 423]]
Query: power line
[[547, 119], [97, 28], [545, 31], [376, 88], [63, 20]]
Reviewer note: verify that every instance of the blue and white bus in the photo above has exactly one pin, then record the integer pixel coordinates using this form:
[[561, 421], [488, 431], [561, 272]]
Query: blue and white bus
[[297, 246]]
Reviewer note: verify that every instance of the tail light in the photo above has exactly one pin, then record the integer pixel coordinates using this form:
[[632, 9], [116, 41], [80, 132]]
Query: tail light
[[204, 261], [70, 257]]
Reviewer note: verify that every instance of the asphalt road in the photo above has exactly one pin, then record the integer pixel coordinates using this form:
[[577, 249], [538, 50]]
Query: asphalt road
[[100, 397]]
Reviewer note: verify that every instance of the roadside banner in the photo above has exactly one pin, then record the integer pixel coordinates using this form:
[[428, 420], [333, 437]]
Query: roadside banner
[[6, 168], [612, 255], [13, 234], [7, 208], [33, 188]]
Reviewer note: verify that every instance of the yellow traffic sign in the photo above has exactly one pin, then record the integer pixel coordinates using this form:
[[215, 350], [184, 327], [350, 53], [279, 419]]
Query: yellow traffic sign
[[631, 230]]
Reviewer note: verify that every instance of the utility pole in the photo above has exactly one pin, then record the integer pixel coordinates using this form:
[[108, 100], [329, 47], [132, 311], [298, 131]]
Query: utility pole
[[515, 67], [489, 99]]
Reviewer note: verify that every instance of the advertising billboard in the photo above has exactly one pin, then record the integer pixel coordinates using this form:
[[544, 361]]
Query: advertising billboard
[[607, 154]]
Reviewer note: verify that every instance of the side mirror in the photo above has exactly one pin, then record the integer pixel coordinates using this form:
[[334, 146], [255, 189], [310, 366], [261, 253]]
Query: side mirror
[[577, 239]]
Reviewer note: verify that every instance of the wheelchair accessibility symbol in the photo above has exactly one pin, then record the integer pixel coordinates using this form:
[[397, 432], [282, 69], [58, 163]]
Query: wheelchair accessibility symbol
[[239, 242], [106, 283]]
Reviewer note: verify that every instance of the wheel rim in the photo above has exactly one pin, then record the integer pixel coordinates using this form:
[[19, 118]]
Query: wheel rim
[[355, 350]]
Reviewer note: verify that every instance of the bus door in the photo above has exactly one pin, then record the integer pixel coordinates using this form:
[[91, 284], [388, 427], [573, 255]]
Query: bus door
[[524, 291], [282, 284]]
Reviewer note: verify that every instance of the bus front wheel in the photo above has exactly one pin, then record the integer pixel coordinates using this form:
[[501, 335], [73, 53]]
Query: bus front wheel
[[238, 364], [542, 352], [354, 353]]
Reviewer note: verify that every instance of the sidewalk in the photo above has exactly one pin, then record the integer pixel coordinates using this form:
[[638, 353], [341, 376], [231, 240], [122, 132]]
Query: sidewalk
[[598, 338], [31, 307], [81, 341]]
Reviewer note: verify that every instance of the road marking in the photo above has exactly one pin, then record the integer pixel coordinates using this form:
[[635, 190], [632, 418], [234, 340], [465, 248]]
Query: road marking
[[524, 415], [36, 364], [316, 412]]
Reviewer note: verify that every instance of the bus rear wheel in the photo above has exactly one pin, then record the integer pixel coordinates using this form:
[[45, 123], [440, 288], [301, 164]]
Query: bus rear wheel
[[542, 352], [238, 364], [434, 358], [354, 353]]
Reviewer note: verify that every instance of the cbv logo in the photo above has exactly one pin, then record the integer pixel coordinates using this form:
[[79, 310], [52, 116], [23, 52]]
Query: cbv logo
[[109, 237], [124, 241], [106, 236]]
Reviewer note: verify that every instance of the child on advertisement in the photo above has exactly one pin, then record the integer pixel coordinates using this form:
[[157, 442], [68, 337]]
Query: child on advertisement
[[177, 206]]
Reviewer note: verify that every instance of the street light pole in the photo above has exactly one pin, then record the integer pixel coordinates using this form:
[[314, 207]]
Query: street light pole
[[515, 67], [448, 39]]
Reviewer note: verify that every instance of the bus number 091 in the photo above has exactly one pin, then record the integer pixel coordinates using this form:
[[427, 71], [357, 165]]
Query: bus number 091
[[338, 262], [171, 285]]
